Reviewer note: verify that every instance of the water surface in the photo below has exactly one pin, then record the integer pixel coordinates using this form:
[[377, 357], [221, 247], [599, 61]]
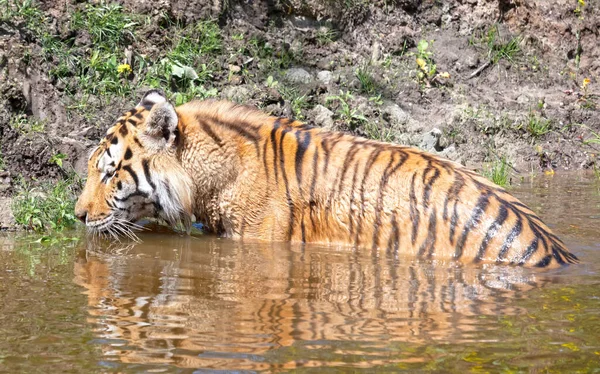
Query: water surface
[[177, 303]]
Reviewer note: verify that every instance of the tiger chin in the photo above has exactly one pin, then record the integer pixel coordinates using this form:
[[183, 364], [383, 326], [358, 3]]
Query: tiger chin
[[247, 175]]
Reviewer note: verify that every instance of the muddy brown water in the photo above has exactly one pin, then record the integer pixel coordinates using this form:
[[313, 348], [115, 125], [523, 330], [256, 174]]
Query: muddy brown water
[[177, 303]]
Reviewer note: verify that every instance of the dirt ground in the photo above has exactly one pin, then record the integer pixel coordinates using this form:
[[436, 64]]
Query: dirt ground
[[473, 80]]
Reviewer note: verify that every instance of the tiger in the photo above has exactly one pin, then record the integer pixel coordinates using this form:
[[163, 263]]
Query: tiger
[[247, 175]]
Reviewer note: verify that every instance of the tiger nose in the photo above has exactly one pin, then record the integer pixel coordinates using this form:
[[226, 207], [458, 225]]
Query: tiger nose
[[82, 215]]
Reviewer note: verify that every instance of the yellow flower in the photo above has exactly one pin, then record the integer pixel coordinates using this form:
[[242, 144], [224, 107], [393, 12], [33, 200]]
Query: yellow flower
[[422, 64], [581, 2], [124, 68], [586, 81]]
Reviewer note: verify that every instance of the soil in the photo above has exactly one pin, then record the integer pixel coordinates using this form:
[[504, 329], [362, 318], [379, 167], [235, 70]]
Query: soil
[[478, 112]]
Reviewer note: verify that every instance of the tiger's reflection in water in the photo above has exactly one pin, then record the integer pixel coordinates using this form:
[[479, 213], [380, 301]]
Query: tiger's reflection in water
[[208, 302]]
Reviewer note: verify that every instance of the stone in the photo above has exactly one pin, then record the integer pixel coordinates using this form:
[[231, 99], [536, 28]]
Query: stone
[[430, 140], [297, 75], [322, 117], [395, 115], [239, 94], [325, 77], [7, 220]]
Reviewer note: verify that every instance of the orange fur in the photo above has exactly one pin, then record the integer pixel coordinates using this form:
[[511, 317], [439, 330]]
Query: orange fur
[[266, 178]]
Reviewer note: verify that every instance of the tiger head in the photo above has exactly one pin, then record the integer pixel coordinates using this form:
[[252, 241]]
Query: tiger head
[[135, 172]]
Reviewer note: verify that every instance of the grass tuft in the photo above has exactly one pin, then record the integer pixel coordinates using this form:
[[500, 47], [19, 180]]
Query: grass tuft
[[48, 207], [498, 172]]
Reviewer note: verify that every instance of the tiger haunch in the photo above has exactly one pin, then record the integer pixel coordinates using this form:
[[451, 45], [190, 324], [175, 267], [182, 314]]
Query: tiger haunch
[[248, 175]]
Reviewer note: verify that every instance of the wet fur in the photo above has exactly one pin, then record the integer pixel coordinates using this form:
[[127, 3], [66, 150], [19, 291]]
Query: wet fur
[[248, 175]]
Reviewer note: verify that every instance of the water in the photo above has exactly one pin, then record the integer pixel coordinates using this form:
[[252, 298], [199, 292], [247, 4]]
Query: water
[[176, 304]]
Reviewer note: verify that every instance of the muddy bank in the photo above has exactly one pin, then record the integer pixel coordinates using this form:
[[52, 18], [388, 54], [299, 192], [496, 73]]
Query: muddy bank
[[475, 81]]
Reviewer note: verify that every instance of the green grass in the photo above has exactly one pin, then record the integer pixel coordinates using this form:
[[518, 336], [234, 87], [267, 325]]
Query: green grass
[[108, 25], [537, 126], [498, 172], [26, 125], [298, 102], [378, 131], [498, 47], [345, 112], [48, 207], [368, 84], [326, 36], [2, 163]]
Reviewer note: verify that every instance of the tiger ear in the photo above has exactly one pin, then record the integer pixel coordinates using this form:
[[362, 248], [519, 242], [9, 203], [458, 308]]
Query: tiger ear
[[161, 124]]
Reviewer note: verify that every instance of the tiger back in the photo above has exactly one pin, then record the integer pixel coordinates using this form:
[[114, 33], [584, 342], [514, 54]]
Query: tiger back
[[247, 175]]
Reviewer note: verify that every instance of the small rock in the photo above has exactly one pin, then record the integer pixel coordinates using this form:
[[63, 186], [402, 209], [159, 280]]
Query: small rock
[[325, 76], [430, 140], [234, 68], [297, 75], [376, 52], [322, 117], [395, 115], [239, 94], [523, 99], [7, 220]]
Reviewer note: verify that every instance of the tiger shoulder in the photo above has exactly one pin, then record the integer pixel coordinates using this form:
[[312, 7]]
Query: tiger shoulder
[[247, 175]]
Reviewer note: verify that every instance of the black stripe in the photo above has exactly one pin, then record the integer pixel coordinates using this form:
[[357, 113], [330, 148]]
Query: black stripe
[[510, 238], [394, 240], [108, 152], [133, 194], [311, 202], [491, 232], [531, 249], [274, 149], [367, 169], [352, 189], [114, 140], [138, 116], [209, 131], [146, 166], [128, 169], [302, 145], [459, 183], [379, 204], [429, 185], [475, 219], [453, 222], [119, 185], [128, 154], [264, 155], [286, 183], [544, 262], [123, 130], [429, 243], [137, 141], [413, 210], [241, 130]]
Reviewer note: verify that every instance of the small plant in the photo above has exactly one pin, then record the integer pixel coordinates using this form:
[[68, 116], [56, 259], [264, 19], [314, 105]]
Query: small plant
[[271, 83], [26, 125], [498, 172], [194, 92], [368, 84], [378, 131], [350, 116], [57, 159], [297, 102], [586, 99], [326, 36], [108, 24], [2, 163], [47, 207], [537, 126], [426, 68]]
